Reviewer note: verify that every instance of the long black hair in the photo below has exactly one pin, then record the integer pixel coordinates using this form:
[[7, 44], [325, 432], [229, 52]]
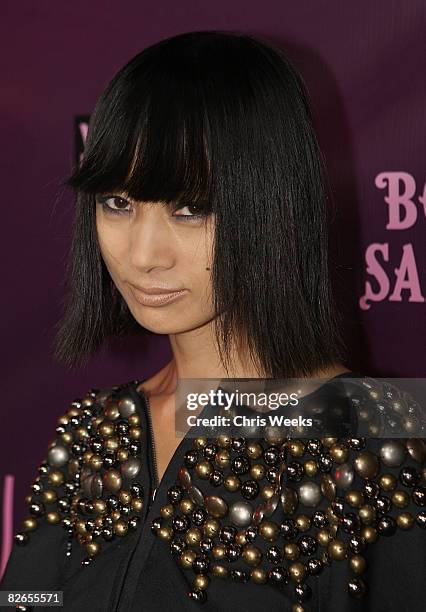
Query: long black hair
[[222, 120]]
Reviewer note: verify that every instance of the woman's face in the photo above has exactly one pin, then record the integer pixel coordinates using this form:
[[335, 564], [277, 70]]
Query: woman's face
[[148, 245]]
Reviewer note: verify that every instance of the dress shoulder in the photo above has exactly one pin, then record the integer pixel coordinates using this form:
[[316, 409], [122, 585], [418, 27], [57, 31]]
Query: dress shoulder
[[64, 502]]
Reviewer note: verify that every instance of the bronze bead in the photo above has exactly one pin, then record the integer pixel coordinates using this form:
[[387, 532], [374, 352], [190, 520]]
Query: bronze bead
[[241, 538], [115, 515], [405, 520], [387, 482], [112, 444], [222, 458], [193, 536], [354, 498], [211, 528], [99, 506], [112, 480], [297, 608], [269, 531], [367, 514], [125, 496], [204, 469], [400, 499], [337, 550], [297, 571], [201, 581], [96, 462], [29, 524], [135, 433], [323, 537], [257, 471], [167, 511], [187, 558], [291, 551], [67, 437], [131, 468], [111, 411], [328, 442], [134, 420], [200, 442], [252, 555], [216, 506], [232, 483], [303, 522], [369, 533], [218, 551], [366, 464], [258, 576], [357, 564], [220, 571], [186, 506], [224, 441]]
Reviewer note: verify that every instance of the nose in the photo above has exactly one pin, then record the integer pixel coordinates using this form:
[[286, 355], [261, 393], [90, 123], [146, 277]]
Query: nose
[[150, 240]]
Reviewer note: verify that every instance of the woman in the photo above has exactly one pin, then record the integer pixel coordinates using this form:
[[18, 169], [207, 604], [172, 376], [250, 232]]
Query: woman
[[201, 214]]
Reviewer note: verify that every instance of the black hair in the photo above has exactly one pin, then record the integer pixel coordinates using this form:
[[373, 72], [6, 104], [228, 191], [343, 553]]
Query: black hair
[[223, 120]]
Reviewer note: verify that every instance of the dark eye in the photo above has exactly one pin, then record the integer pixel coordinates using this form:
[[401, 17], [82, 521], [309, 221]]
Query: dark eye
[[113, 204], [193, 209]]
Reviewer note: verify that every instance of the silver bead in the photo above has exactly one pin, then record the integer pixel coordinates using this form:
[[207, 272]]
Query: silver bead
[[240, 513], [57, 456], [392, 453], [343, 475], [126, 406], [131, 467], [309, 494]]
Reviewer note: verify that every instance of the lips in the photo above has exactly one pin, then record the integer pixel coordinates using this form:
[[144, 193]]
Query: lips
[[156, 299], [156, 290]]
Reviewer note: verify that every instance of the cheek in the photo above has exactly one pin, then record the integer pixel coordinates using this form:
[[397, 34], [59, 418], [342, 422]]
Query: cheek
[[112, 246]]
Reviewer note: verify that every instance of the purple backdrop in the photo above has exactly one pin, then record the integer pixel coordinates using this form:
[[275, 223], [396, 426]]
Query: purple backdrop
[[363, 65]]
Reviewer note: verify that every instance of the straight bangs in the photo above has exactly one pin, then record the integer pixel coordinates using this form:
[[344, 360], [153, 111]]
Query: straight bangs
[[148, 138]]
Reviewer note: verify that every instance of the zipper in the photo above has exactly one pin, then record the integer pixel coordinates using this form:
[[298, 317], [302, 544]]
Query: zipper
[[153, 451]]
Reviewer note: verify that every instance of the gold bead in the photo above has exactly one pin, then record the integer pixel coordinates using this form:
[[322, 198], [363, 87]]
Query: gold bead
[[186, 506], [193, 536], [357, 564], [267, 492], [400, 499], [222, 458], [232, 483], [67, 437], [187, 558], [125, 496], [354, 498], [369, 533], [112, 444], [220, 571], [337, 550], [303, 522], [29, 524], [311, 467], [218, 551], [53, 517], [204, 469], [297, 571], [92, 548], [323, 537], [339, 453], [99, 506], [328, 442], [367, 514], [81, 527], [200, 442], [201, 581], [49, 496], [296, 448], [297, 608], [253, 450], [96, 462], [257, 471], [291, 551], [106, 429], [167, 511], [56, 478], [115, 515], [258, 575], [387, 482], [241, 538], [224, 441], [405, 520], [269, 531], [134, 420], [252, 555], [165, 533], [211, 528], [135, 433], [137, 504]]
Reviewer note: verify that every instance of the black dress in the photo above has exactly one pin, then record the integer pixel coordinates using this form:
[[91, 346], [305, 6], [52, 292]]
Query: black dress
[[325, 525]]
